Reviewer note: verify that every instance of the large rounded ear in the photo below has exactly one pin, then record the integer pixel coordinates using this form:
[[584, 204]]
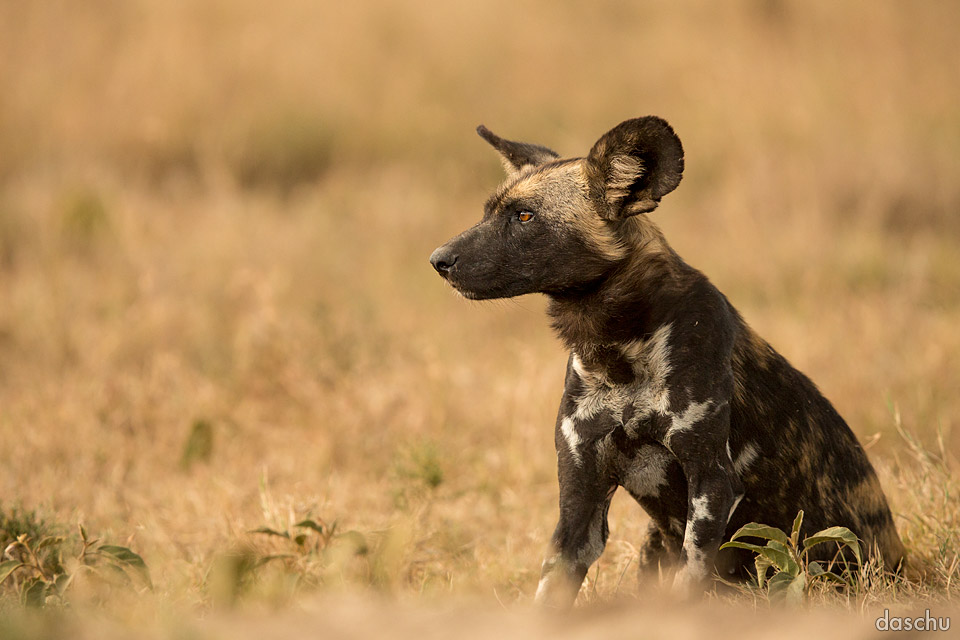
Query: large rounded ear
[[517, 155], [634, 165]]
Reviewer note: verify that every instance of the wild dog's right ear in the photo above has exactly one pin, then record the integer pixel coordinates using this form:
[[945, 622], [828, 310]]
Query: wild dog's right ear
[[634, 165], [517, 155]]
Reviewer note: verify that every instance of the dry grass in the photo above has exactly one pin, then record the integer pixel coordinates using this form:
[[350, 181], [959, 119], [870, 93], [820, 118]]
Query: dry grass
[[212, 211]]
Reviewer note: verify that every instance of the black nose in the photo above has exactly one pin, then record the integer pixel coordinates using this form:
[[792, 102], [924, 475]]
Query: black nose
[[443, 260]]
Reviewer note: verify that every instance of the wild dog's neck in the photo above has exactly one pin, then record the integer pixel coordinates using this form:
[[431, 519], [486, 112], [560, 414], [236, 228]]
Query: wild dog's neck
[[628, 302]]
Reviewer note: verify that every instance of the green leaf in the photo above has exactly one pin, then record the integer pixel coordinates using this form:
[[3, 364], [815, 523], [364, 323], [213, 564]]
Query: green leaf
[[33, 593], [817, 571], [127, 558], [761, 531], [762, 563], [781, 557], [7, 568], [742, 545], [778, 584], [787, 588], [271, 532], [795, 590], [60, 584], [84, 536], [840, 535], [795, 530], [310, 524], [116, 573], [48, 541]]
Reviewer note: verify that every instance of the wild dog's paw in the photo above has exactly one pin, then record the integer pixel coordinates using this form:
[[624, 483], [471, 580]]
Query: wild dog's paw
[[688, 584], [557, 588]]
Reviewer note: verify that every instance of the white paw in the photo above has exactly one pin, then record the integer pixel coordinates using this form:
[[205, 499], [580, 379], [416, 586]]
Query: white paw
[[688, 583]]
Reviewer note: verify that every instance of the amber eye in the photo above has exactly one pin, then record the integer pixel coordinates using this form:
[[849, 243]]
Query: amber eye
[[525, 216]]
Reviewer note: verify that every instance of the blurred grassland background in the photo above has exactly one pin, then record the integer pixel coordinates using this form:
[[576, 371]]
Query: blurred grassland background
[[216, 312]]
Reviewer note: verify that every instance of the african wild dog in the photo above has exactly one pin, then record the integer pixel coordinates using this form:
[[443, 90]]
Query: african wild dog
[[668, 392]]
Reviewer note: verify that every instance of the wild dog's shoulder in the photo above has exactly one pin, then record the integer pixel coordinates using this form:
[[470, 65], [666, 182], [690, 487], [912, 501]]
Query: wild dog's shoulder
[[696, 328], [701, 317]]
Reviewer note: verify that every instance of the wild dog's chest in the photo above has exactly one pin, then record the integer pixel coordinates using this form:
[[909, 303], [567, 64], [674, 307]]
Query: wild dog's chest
[[619, 386]]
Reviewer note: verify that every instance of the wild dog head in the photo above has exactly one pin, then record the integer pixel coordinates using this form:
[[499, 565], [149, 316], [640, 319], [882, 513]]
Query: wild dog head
[[557, 226]]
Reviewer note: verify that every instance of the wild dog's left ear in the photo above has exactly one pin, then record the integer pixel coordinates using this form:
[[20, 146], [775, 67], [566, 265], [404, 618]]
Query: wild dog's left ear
[[517, 155], [634, 165]]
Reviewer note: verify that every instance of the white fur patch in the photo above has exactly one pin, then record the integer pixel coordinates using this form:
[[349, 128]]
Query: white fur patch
[[747, 456], [543, 587], [696, 558], [577, 364], [700, 511], [598, 394], [733, 507], [696, 567], [650, 357], [693, 414], [597, 397], [650, 360], [569, 430]]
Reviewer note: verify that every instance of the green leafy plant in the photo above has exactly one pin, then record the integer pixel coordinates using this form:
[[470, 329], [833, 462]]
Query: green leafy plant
[[288, 553], [794, 573], [34, 569], [285, 559], [309, 535]]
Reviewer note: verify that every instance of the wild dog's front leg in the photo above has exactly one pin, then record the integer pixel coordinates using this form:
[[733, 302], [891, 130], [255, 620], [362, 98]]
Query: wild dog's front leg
[[581, 532], [586, 486], [585, 491], [698, 438]]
